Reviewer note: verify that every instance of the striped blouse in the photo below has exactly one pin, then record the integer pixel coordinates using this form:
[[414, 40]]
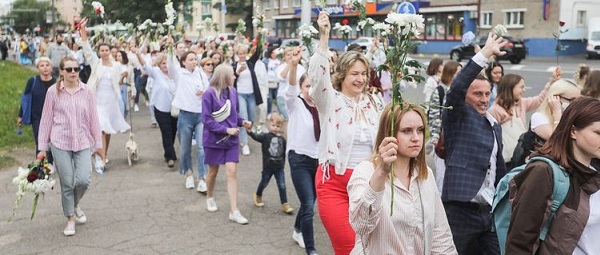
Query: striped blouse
[[417, 226], [70, 120]]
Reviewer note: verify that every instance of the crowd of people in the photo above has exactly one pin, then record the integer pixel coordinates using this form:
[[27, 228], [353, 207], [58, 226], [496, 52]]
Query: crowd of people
[[428, 188]]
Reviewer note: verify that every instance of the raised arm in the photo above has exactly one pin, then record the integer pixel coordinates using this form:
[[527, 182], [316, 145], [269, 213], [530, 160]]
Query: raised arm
[[321, 89], [89, 55]]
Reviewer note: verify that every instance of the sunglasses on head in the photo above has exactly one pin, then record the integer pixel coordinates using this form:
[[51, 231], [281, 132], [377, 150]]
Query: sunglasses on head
[[72, 69]]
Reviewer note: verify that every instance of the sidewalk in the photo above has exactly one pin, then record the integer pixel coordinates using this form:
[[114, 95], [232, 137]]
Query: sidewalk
[[145, 209]]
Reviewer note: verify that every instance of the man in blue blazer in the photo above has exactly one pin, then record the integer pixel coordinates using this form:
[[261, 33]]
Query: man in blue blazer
[[474, 163]]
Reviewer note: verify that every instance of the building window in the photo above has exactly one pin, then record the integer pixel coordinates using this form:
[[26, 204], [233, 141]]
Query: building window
[[296, 3], [275, 4], [581, 18], [267, 4], [206, 7], [332, 2], [443, 26], [514, 18], [287, 28], [486, 20], [285, 4]]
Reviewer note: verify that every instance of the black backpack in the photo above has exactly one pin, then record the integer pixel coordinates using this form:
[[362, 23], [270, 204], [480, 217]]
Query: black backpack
[[528, 143]]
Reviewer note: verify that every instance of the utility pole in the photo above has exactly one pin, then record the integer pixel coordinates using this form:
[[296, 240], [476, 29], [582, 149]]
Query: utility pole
[[305, 12], [223, 11], [53, 17]]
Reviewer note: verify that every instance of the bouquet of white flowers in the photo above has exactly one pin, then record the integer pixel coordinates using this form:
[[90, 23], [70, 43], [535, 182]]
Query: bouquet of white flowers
[[307, 32], [35, 179]]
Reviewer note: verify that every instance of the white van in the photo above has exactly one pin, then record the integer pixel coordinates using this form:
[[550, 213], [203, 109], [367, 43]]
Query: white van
[[593, 47]]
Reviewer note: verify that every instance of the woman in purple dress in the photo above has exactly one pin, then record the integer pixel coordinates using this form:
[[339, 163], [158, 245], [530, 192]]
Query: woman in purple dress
[[221, 136]]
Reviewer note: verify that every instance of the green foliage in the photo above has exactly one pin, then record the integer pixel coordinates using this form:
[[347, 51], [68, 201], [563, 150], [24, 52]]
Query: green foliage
[[12, 84], [29, 14], [131, 11], [238, 7]]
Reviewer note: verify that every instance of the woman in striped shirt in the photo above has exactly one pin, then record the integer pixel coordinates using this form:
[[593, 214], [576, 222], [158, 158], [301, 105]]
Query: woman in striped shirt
[[407, 217], [71, 129]]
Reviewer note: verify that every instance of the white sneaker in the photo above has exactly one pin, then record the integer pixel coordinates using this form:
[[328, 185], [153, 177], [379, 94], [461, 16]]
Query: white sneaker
[[211, 205], [237, 217], [193, 141], [99, 165], [297, 236], [136, 108], [189, 182], [201, 186], [245, 150], [80, 216]]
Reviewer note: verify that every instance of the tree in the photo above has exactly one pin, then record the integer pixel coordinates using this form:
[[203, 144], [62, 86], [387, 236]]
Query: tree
[[239, 7], [128, 11], [28, 14]]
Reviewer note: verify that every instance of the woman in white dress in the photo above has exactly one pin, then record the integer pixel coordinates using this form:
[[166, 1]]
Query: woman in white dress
[[104, 82]]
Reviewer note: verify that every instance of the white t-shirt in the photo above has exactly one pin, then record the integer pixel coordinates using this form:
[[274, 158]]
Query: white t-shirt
[[538, 119], [588, 243], [284, 82], [244, 82]]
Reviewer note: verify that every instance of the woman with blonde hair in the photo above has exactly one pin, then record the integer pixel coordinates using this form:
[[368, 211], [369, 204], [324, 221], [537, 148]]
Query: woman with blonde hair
[[547, 116], [349, 118], [220, 137], [37, 86], [163, 92], [416, 224]]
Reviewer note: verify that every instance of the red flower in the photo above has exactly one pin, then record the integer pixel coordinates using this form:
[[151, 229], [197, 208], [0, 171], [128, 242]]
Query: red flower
[[345, 22], [32, 177], [98, 10], [561, 23], [222, 38]]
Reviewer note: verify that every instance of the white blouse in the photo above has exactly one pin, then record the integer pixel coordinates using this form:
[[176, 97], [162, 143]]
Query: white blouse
[[418, 224], [338, 114], [163, 88], [188, 83]]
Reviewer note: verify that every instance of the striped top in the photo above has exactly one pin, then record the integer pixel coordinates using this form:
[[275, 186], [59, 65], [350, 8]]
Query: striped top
[[70, 120], [415, 208]]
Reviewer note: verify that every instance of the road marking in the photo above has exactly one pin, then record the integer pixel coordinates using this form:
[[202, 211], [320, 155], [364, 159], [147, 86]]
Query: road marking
[[516, 67]]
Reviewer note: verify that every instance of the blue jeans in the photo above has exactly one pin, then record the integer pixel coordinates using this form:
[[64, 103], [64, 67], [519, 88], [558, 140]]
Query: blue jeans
[[281, 107], [123, 104], [272, 96], [190, 124], [303, 169], [247, 104], [267, 173]]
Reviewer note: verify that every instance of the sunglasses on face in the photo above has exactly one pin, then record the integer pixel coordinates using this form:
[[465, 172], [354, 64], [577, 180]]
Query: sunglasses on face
[[209, 64], [72, 69]]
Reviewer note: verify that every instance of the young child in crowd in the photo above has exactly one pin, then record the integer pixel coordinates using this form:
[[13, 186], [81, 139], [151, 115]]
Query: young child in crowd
[[273, 157]]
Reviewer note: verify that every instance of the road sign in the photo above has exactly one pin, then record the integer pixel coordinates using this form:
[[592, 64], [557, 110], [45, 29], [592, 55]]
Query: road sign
[[407, 8]]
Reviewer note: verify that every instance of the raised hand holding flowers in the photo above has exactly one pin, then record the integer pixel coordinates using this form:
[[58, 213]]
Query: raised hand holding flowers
[[241, 27], [307, 32]]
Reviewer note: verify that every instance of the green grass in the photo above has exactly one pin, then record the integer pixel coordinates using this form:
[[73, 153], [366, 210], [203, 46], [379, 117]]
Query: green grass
[[12, 83]]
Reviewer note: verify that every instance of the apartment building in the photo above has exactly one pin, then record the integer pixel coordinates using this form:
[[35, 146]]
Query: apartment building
[[534, 21]]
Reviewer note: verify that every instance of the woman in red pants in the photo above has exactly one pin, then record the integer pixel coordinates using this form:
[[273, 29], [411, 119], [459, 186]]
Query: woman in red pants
[[349, 119]]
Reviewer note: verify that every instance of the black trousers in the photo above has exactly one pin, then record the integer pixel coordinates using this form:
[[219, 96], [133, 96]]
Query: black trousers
[[168, 130]]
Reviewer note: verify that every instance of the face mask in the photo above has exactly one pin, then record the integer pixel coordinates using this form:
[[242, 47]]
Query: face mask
[[564, 105]]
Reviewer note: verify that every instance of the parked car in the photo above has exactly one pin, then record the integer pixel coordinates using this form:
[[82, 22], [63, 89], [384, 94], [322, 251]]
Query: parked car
[[362, 41], [593, 47], [515, 50], [274, 41]]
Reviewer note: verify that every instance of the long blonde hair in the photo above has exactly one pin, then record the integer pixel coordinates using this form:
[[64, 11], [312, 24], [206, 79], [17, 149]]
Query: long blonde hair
[[221, 78], [557, 88]]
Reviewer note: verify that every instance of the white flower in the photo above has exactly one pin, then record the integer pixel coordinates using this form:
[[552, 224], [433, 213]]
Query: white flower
[[320, 3], [170, 13], [255, 22], [208, 20], [145, 24], [352, 2], [98, 8], [500, 30]]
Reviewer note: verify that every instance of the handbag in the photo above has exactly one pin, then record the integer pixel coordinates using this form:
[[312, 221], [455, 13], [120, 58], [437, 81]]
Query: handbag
[[26, 105]]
